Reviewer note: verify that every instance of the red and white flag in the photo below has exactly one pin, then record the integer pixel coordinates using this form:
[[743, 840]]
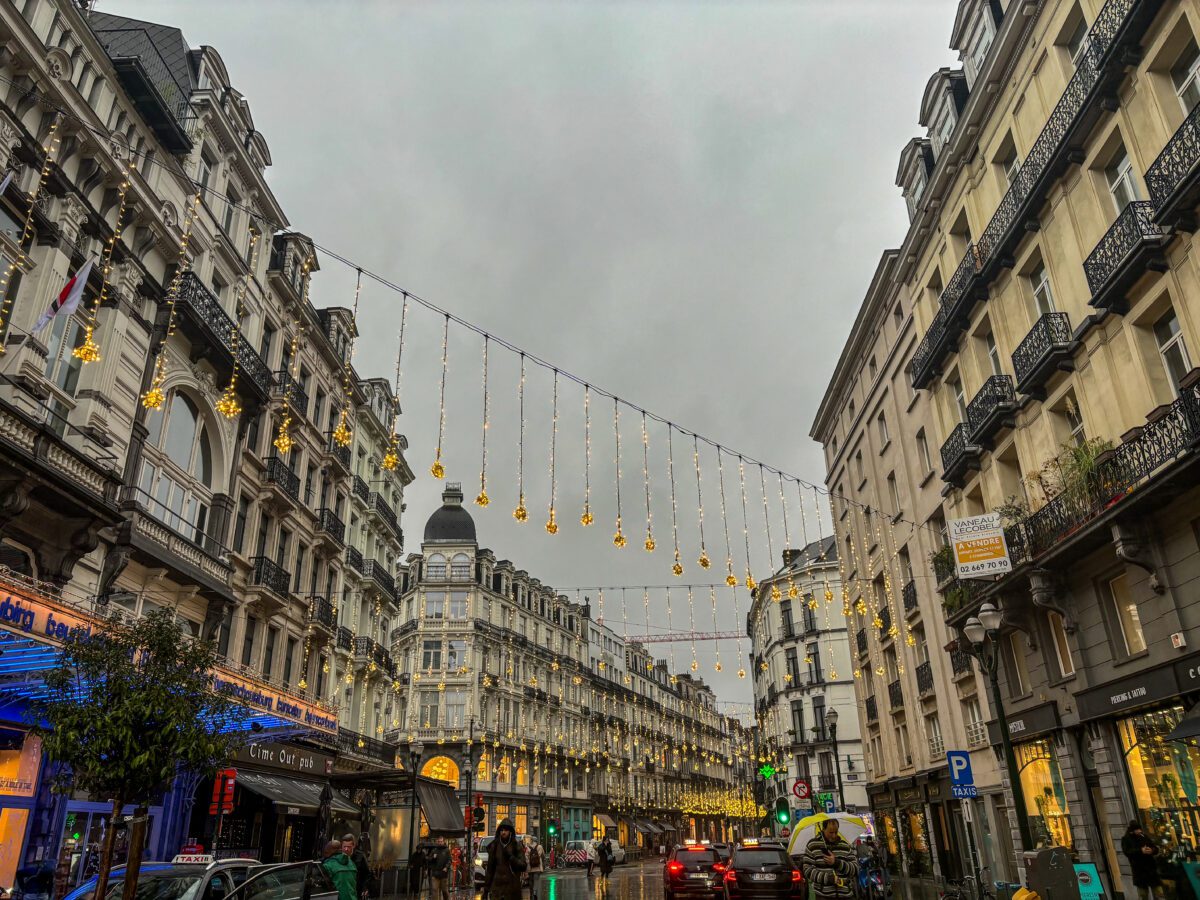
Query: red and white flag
[[68, 298]]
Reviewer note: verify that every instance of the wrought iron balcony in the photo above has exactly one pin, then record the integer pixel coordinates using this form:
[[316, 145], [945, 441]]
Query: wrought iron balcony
[[287, 385], [872, 710], [203, 320], [360, 490], [959, 456], [1172, 178], [329, 524], [270, 574], [960, 663], [861, 639], [885, 622], [910, 596], [284, 478], [961, 291], [377, 572], [1131, 247], [924, 363], [339, 454], [925, 678], [345, 638], [895, 695], [354, 559], [321, 612], [991, 409], [1049, 347], [371, 651], [367, 747], [944, 568], [385, 512]]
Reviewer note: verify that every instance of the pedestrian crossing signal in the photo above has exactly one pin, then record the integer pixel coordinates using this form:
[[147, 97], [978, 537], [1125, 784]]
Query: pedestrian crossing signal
[[552, 828], [783, 814]]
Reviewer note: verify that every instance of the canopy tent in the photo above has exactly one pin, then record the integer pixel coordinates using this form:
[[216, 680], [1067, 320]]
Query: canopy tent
[[293, 793], [440, 805]]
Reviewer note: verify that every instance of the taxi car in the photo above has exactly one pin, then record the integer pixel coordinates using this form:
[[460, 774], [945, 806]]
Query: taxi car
[[762, 872], [693, 870]]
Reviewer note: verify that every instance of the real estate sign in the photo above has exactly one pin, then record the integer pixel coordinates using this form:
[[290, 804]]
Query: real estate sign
[[979, 548]]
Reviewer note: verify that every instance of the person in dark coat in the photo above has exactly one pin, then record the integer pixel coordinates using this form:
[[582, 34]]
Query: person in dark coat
[[439, 869], [350, 848], [604, 856], [1143, 860], [505, 866]]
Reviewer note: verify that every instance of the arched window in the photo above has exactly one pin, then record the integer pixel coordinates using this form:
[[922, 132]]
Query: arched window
[[177, 473], [460, 567], [441, 768], [435, 570]]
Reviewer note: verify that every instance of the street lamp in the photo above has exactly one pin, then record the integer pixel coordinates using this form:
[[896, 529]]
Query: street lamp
[[542, 815], [831, 720], [415, 751], [983, 635]]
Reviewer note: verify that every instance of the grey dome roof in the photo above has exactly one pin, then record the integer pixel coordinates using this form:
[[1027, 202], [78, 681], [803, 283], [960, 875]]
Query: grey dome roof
[[451, 524]]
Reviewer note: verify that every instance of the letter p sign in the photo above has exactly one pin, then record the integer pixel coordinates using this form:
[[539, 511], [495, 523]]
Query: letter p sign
[[962, 780]]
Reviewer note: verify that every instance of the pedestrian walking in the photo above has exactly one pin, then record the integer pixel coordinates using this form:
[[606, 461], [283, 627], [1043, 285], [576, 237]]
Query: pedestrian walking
[[1143, 861], [829, 864], [439, 869], [361, 866], [604, 857], [505, 866], [533, 856], [456, 863], [591, 856], [342, 870]]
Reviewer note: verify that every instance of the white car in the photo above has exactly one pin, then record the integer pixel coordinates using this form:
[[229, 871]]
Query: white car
[[481, 854]]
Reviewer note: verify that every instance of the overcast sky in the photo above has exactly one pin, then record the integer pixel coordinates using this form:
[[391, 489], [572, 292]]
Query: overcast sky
[[680, 202]]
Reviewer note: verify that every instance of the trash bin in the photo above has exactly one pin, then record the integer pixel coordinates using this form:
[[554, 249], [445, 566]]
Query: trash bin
[[1006, 890]]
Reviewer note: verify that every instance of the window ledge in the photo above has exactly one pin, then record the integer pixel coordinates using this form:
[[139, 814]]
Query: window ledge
[[862, 484], [883, 449], [924, 481], [912, 401]]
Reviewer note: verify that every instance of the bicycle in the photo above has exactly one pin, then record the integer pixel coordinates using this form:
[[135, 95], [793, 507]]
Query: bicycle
[[957, 888]]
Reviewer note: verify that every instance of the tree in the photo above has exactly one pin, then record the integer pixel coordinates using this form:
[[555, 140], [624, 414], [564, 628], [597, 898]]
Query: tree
[[128, 707]]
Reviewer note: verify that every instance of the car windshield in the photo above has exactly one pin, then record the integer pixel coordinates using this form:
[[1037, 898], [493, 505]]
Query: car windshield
[[763, 857], [163, 884], [694, 860]]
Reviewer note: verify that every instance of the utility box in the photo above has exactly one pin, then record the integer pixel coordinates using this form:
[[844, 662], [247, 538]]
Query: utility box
[[1050, 873]]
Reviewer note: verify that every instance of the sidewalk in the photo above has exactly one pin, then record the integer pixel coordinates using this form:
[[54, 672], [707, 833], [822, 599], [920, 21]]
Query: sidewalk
[[913, 888]]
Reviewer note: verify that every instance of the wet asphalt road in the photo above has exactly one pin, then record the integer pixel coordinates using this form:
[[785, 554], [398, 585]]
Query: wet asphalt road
[[632, 881]]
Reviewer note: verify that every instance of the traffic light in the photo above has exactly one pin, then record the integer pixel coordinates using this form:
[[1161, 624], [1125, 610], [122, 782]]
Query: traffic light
[[478, 814], [552, 828], [783, 814]]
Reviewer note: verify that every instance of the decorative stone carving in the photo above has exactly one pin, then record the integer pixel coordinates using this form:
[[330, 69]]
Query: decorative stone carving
[[1047, 594], [74, 214], [1134, 550], [10, 140], [118, 146], [58, 64]]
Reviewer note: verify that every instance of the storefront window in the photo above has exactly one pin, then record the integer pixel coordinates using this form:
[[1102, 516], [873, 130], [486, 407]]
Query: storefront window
[[892, 841], [916, 840], [1045, 794], [18, 779], [1163, 775]]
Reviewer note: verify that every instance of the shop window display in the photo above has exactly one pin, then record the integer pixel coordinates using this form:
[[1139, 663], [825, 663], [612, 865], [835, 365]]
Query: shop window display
[[916, 840], [892, 842], [1045, 794], [1163, 775]]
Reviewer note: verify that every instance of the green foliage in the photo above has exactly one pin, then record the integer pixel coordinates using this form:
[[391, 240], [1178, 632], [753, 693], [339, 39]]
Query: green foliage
[[1013, 510], [127, 706], [1072, 475]]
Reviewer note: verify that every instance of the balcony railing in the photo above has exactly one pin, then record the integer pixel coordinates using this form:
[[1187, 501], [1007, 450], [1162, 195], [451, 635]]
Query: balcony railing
[[872, 710], [372, 651], [925, 358], [270, 574], [959, 455], [910, 595], [385, 512], [366, 747], [209, 320], [377, 572], [1130, 247], [361, 490], [937, 747], [345, 638], [862, 641], [329, 523], [885, 621], [288, 385], [960, 662], [279, 474], [339, 453], [977, 735], [1048, 347], [321, 612], [895, 695], [991, 409], [1171, 178], [354, 559], [924, 678], [960, 293]]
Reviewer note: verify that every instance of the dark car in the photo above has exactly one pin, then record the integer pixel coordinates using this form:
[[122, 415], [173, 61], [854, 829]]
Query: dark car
[[762, 872], [723, 850], [693, 870]]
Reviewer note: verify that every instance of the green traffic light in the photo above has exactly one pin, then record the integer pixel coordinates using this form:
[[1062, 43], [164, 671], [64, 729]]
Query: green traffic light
[[783, 816]]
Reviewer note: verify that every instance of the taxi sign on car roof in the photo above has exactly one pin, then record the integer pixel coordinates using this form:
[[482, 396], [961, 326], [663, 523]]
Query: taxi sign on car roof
[[750, 842], [188, 858]]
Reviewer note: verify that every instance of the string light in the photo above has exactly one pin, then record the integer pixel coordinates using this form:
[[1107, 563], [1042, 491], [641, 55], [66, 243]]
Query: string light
[[750, 583], [437, 470], [677, 567], [712, 595], [50, 150], [89, 351], [343, 434], [703, 560], [737, 613], [391, 459], [618, 538], [793, 591], [283, 439], [551, 523], [521, 514], [481, 498], [649, 544], [229, 406], [776, 594], [155, 396], [586, 518], [692, 627], [730, 578]]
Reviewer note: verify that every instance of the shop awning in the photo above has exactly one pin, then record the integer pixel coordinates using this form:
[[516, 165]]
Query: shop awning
[[292, 793], [606, 821], [1188, 727], [440, 805], [643, 826], [655, 829]]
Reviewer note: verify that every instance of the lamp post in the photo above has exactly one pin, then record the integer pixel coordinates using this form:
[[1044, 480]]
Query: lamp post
[[983, 634], [542, 824], [415, 752], [831, 720]]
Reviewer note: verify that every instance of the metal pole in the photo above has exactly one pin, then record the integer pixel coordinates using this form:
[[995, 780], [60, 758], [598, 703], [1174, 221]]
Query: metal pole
[[1014, 775], [837, 766]]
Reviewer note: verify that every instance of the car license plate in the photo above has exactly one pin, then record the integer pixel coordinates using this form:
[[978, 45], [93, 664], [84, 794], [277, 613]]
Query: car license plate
[[762, 876], [699, 876]]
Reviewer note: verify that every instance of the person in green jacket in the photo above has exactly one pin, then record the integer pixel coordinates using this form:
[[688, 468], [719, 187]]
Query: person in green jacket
[[342, 871]]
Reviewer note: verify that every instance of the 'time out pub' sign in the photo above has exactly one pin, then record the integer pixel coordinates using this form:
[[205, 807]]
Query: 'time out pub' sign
[[49, 621]]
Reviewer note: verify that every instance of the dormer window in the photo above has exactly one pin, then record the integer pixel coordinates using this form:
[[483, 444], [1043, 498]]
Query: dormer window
[[981, 32]]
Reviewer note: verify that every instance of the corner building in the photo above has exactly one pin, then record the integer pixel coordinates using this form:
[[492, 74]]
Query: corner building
[[1049, 265]]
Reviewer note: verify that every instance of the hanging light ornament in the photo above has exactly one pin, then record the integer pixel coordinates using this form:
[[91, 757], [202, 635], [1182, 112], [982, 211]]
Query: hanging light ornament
[[391, 459], [619, 537], [586, 518], [229, 406], [89, 351], [551, 523], [343, 434], [703, 560], [712, 595], [737, 614], [481, 499], [793, 591], [692, 627], [671, 646], [649, 544], [50, 151], [437, 470], [521, 514], [284, 442], [730, 578], [155, 396], [750, 583], [776, 593], [677, 567]]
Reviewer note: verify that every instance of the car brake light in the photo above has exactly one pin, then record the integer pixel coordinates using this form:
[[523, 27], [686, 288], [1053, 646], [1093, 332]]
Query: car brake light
[[718, 867], [674, 867], [730, 875], [795, 874]]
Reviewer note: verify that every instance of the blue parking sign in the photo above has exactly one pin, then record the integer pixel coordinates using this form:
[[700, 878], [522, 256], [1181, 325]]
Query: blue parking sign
[[962, 780]]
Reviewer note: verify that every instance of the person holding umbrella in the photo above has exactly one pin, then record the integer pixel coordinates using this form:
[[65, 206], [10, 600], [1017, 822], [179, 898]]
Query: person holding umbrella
[[829, 864]]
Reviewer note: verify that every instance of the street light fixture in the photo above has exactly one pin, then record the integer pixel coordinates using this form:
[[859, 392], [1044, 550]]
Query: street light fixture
[[831, 720], [415, 751], [542, 816], [983, 634]]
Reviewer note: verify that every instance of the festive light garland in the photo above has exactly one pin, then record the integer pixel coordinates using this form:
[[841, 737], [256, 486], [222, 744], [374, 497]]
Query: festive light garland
[[228, 405], [551, 522], [89, 351], [521, 514], [677, 566], [154, 397], [649, 543], [750, 583], [284, 442], [793, 591], [437, 470], [343, 434], [730, 578], [586, 518], [619, 537], [391, 459]]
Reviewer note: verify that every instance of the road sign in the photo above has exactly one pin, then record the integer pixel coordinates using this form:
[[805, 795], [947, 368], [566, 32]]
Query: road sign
[[801, 789], [222, 795], [962, 779], [979, 547], [829, 805]]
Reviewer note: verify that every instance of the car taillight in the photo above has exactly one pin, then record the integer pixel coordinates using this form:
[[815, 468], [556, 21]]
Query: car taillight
[[795, 874], [730, 875], [718, 867], [674, 867]]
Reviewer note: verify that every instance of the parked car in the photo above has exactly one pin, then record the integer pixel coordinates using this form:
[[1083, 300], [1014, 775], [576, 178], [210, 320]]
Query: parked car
[[191, 877], [286, 881], [579, 852], [481, 854], [762, 872], [694, 870]]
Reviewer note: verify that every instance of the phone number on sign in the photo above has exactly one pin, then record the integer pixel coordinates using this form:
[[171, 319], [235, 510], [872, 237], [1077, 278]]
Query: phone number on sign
[[990, 565]]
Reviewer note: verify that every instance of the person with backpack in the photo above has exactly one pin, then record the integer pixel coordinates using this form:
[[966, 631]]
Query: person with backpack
[[533, 855]]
